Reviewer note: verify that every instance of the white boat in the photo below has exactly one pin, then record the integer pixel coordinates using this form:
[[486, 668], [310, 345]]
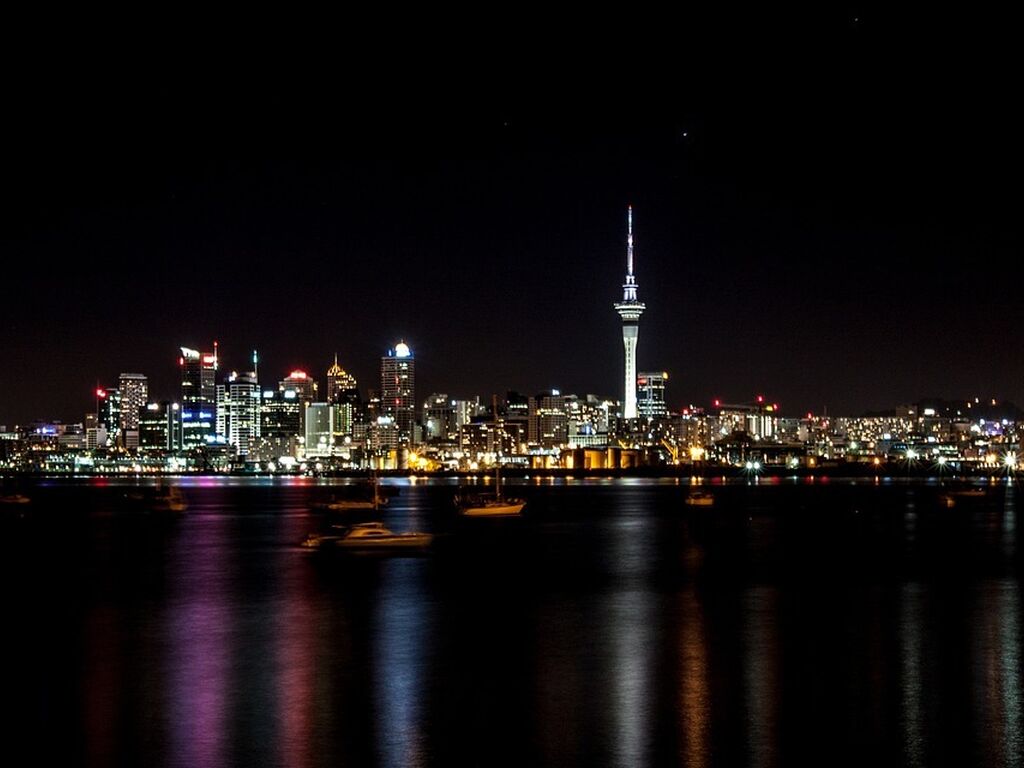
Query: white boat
[[484, 506], [375, 537]]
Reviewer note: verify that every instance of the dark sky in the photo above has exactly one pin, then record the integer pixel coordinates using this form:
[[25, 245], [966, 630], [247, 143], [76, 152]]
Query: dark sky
[[826, 209]]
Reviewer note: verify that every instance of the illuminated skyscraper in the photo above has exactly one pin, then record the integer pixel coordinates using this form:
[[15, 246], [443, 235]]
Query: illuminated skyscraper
[[629, 310], [198, 396], [338, 381], [651, 394], [238, 411], [134, 394], [398, 390], [108, 413], [343, 394], [320, 440], [304, 385]]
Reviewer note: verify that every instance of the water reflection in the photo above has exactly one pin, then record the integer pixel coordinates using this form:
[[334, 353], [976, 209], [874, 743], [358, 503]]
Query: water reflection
[[762, 675], [912, 717], [583, 635], [694, 687], [199, 628], [401, 641], [997, 683]]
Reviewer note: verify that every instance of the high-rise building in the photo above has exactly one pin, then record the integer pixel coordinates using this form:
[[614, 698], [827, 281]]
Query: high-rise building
[[242, 405], [320, 439], [108, 413], [198, 396], [548, 420], [651, 394], [160, 427], [304, 385], [398, 390], [343, 394], [630, 309], [280, 415], [439, 425], [134, 394], [338, 381]]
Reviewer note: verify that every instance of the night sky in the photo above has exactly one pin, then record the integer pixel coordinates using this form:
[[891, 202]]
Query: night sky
[[826, 211]]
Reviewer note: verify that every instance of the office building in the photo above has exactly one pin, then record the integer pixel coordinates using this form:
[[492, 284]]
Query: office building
[[320, 439], [134, 395], [650, 400], [198, 397], [398, 390]]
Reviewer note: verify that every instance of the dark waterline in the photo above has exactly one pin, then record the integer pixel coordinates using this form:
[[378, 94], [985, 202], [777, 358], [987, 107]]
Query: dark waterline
[[840, 623]]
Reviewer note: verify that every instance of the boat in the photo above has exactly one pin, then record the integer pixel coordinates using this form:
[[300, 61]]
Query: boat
[[488, 506], [168, 499], [700, 499], [374, 537], [15, 498], [963, 493], [969, 493], [336, 504], [163, 498]]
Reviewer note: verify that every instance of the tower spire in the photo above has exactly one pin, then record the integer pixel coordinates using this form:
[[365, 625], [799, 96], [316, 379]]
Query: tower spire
[[629, 241]]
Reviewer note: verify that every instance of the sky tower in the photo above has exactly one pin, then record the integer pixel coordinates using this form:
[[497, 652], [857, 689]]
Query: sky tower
[[629, 310]]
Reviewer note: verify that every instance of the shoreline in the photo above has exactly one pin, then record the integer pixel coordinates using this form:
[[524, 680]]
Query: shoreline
[[853, 472]]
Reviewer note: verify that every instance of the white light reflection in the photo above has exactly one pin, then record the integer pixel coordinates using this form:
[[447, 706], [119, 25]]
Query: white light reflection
[[632, 638], [400, 641], [911, 656], [997, 686], [631, 630]]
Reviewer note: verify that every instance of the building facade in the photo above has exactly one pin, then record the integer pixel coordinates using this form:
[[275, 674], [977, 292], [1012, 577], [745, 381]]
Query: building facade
[[134, 396], [398, 390], [198, 397], [650, 400]]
